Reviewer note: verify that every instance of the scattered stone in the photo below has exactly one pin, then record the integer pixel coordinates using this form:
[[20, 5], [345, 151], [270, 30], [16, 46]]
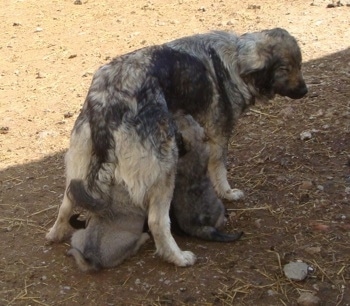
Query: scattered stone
[[271, 292], [313, 250], [296, 271], [287, 112], [320, 227], [254, 7], [320, 187], [4, 129], [257, 223], [78, 2], [40, 75], [306, 185], [347, 190], [308, 299], [72, 56], [16, 24], [68, 115], [306, 135]]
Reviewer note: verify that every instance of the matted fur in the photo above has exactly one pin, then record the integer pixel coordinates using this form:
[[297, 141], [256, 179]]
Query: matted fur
[[195, 208], [125, 132]]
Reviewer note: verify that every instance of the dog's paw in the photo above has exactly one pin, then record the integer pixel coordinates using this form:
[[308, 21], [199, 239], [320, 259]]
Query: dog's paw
[[59, 233], [186, 259], [234, 194]]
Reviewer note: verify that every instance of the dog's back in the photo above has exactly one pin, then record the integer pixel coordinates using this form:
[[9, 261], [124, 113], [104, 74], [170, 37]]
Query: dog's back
[[195, 207]]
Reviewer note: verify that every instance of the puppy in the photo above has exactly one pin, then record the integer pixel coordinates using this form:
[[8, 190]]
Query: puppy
[[195, 207], [126, 133], [112, 234]]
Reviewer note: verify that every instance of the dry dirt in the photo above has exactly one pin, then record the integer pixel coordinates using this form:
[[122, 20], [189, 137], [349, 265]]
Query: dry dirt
[[297, 204]]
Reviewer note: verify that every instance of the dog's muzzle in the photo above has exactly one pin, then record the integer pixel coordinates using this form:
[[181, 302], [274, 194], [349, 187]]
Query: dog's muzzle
[[298, 92]]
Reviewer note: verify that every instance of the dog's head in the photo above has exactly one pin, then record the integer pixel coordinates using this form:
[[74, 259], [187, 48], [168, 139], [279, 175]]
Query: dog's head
[[270, 61]]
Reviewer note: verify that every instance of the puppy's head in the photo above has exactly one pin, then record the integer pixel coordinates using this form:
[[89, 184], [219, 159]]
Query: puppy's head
[[270, 61]]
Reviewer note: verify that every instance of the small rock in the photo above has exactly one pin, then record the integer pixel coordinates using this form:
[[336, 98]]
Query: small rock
[[254, 7], [347, 190], [306, 135], [287, 112], [68, 115], [4, 129], [308, 299], [320, 227], [78, 2], [38, 29], [40, 75], [313, 250], [320, 187], [306, 185], [257, 223], [271, 292], [296, 271]]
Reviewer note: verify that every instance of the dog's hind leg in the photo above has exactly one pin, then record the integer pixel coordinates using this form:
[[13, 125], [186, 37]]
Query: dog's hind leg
[[218, 174], [62, 229], [159, 223], [77, 162]]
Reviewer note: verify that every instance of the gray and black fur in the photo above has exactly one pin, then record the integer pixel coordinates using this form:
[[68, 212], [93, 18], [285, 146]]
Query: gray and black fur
[[126, 134], [196, 209]]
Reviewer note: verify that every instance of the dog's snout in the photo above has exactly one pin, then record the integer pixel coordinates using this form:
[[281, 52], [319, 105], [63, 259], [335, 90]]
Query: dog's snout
[[298, 92]]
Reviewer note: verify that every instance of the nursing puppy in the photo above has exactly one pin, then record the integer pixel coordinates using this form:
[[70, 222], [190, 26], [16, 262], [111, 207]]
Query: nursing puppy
[[195, 208], [112, 233], [126, 134]]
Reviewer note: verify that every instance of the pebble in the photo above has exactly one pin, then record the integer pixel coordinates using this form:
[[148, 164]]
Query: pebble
[[313, 250], [306, 135], [296, 271], [306, 185], [308, 299]]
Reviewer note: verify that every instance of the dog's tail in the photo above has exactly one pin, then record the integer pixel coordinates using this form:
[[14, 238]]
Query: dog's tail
[[83, 263], [212, 234], [78, 194]]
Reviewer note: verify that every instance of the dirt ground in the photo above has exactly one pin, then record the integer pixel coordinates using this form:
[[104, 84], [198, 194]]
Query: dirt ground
[[297, 204]]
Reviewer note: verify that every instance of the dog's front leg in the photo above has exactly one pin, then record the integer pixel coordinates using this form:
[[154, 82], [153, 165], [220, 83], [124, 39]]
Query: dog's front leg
[[159, 224], [218, 172], [61, 229]]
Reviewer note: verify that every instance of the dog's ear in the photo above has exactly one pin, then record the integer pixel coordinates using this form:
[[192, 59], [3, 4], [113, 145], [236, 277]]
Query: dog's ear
[[254, 53]]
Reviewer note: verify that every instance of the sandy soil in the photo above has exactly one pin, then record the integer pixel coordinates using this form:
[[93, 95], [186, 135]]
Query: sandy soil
[[297, 203]]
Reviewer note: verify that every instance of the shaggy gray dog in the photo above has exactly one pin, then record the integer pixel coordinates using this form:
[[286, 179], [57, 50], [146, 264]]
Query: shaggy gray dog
[[126, 134]]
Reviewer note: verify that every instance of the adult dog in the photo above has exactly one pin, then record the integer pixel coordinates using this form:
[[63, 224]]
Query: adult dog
[[195, 208], [125, 132]]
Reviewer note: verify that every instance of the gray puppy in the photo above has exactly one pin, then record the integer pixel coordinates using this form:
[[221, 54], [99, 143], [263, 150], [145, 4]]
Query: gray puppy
[[112, 234], [195, 208]]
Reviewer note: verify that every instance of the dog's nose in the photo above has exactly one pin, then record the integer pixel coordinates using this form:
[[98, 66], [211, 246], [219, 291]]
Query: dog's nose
[[299, 92], [303, 90]]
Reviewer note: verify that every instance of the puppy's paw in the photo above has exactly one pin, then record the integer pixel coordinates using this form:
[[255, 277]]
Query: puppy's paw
[[186, 259], [234, 194]]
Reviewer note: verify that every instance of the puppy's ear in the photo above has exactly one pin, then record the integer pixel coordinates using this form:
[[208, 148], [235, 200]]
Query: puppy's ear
[[254, 53]]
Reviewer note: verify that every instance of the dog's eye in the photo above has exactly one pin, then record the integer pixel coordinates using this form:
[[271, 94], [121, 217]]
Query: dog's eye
[[283, 68]]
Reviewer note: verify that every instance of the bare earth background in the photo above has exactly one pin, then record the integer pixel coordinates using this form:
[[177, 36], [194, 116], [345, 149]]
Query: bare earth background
[[297, 204]]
